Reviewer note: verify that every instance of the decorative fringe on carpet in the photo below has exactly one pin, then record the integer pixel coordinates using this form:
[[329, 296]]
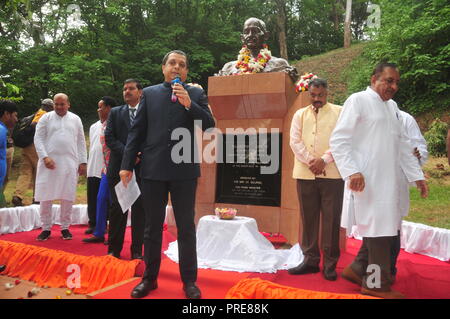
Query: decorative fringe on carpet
[[48, 267], [256, 288]]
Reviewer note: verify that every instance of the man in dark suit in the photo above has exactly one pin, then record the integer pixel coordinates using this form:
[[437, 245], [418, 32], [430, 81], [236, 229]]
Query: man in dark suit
[[164, 170], [116, 134]]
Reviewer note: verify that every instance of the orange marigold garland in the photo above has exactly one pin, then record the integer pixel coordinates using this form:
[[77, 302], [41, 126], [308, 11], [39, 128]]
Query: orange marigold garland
[[247, 64]]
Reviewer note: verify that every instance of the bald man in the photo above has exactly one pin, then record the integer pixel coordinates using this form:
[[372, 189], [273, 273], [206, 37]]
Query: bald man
[[61, 148]]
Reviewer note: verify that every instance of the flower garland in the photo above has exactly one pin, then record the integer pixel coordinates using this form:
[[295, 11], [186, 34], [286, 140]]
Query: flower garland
[[247, 64], [303, 84]]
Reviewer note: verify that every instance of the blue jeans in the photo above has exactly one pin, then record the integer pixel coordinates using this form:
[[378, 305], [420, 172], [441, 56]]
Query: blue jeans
[[103, 202]]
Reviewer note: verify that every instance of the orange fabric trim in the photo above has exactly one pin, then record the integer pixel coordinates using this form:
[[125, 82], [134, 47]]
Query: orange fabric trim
[[256, 288], [48, 267]]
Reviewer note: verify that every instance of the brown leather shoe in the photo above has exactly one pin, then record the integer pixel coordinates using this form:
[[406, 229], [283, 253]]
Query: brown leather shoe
[[392, 294], [349, 274]]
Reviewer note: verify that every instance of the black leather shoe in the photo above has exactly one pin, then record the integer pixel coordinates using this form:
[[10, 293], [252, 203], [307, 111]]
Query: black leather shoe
[[303, 269], [330, 274], [94, 239], [192, 291], [144, 288], [136, 256], [2, 268], [89, 231]]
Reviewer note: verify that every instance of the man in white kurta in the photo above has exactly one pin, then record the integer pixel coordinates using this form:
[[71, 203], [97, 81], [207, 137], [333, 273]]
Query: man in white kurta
[[61, 148], [94, 173], [419, 150], [372, 151]]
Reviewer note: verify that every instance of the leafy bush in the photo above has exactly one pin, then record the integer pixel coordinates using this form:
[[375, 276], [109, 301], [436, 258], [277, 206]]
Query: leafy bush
[[436, 138], [411, 35]]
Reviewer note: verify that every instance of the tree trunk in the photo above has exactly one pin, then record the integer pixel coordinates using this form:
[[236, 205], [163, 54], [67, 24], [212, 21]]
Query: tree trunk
[[281, 24], [336, 10], [347, 26]]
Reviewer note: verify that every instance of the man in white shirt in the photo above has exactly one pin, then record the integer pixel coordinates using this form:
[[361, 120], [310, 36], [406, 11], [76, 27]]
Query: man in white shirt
[[319, 185], [94, 173], [61, 147], [420, 151], [372, 151]]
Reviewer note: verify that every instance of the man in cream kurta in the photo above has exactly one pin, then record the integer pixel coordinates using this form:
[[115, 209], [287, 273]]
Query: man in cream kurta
[[319, 184], [61, 148], [371, 151]]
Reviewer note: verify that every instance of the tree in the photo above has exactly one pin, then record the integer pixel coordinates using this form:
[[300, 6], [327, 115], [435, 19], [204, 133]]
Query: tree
[[411, 35], [347, 27], [281, 26]]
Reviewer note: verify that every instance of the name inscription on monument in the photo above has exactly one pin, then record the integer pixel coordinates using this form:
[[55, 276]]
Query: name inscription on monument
[[240, 177]]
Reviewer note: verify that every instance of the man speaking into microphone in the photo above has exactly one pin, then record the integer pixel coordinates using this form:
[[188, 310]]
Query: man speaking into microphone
[[158, 115]]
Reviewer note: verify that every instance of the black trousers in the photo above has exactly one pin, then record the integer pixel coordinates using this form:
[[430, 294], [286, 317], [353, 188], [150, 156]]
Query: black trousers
[[379, 251], [182, 195], [93, 185], [396, 246], [321, 196], [118, 222]]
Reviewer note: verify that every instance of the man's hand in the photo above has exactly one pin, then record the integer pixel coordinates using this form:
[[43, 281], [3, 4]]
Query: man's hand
[[82, 169], [125, 176], [357, 183], [317, 166], [423, 188], [182, 95], [417, 153], [49, 163]]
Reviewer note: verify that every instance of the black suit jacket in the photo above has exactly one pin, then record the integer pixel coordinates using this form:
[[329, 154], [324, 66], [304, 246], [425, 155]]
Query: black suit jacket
[[156, 119], [116, 134]]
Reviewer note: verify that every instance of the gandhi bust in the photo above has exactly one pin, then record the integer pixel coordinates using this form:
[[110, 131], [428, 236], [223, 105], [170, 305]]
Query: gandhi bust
[[254, 37]]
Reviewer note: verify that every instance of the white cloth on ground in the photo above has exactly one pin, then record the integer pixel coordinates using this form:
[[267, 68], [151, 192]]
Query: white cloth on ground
[[237, 245]]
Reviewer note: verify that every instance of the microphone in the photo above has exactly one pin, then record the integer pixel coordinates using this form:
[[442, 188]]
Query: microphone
[[177, 79]]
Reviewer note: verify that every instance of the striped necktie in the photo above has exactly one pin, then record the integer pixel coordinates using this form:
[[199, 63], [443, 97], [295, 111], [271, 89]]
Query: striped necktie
[[132, 115]]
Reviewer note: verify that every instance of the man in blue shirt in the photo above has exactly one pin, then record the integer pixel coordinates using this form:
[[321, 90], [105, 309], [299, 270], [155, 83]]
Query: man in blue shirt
[[8, 118]]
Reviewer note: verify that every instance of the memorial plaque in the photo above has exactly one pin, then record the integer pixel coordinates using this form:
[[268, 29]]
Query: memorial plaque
[[249, 169]]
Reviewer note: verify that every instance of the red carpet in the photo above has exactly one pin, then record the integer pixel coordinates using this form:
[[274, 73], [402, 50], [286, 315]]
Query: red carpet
[[418, 277], [214, 284], [76, 246]]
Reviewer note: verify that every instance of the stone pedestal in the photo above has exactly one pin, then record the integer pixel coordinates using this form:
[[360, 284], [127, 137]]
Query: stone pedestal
[[258, 101]]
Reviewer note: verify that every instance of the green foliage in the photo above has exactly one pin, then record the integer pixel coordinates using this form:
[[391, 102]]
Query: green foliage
[[412, 34], [119, 39], [436, 138]]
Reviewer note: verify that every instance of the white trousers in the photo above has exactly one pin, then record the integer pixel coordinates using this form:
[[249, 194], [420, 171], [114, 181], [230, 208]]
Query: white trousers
[[65, 214]]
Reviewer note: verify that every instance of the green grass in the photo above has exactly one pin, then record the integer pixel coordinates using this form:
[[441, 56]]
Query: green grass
[[434, 210]]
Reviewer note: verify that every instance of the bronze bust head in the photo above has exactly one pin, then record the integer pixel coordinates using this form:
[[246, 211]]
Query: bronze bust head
[[254, 37]]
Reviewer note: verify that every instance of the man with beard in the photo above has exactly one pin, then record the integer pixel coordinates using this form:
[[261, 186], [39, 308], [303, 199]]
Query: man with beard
[[319, 185]]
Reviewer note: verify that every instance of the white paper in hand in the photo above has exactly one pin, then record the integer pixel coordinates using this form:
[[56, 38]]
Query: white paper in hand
[[127, 195]]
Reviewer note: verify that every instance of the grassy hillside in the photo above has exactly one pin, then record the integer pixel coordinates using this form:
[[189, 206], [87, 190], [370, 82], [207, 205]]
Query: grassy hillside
[[334, 67]]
